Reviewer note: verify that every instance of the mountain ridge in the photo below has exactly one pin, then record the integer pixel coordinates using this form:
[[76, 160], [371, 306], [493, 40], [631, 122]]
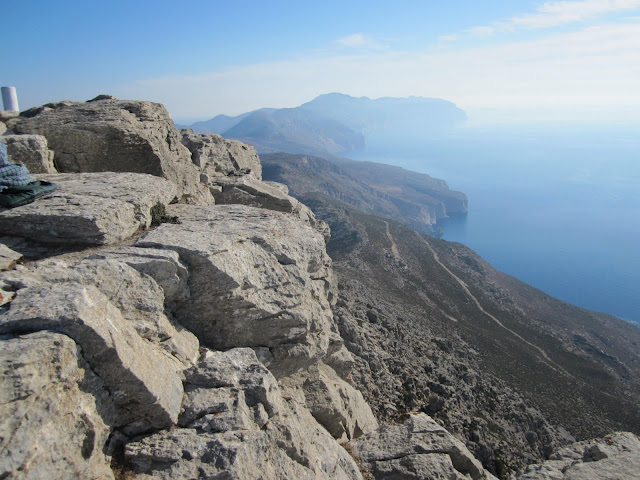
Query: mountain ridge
[[335, 123]]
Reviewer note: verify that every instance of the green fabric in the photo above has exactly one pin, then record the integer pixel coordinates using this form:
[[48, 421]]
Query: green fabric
[[21, 195]]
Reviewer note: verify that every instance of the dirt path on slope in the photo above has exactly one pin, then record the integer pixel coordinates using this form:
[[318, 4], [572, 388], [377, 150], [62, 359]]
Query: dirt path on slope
[[545, 358]]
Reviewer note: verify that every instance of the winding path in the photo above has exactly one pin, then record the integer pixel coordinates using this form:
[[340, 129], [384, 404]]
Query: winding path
[[545, 358]]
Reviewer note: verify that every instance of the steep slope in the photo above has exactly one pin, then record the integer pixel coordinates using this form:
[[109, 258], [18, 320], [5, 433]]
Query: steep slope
[[435, 328], [413, 198]]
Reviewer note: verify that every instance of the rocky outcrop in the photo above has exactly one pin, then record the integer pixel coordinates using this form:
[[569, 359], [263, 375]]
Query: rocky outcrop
[[416, 449], [236, 423], [267, 279], [110, 135], [220, 157], [89, 208], [31, 151], [615, 456]]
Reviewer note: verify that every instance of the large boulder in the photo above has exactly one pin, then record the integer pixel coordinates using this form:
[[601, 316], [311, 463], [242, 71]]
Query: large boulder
[[115, 314], [217, 156], [237, 425], [110, 135], [615, 456], [416, 449], [89, 208], [52, 422], [263, 279], [335, 404], [31, 151]]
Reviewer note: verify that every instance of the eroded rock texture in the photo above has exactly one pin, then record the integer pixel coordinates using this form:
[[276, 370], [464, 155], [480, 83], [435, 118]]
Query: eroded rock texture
[[267, 279], [110, 135], [51, 410]]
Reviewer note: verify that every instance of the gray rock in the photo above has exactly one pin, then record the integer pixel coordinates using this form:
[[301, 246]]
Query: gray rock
[[51, 421], [117, 136], [218, 156], [139, 299], [615, 456], [127, 364], [89, 208], [3, 128], [247, 190], [229, 390], [8, 257], [420, 437], [335, 404], [267, 279], [30, 150], [280, 186], [164, 266], [239, 427]]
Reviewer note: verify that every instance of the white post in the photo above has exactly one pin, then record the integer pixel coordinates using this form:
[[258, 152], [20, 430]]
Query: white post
[[10, 99]]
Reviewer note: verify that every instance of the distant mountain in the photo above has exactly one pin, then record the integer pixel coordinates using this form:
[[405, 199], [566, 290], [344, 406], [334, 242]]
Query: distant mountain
[[295, 130], [335, 123], [387, 116], [222, 123], [415, 199]]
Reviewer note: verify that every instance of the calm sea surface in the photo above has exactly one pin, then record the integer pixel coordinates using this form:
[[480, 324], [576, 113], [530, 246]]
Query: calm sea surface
[[559, 209]]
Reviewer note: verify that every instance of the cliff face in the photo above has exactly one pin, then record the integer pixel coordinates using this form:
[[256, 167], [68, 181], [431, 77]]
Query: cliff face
[[167, 314]]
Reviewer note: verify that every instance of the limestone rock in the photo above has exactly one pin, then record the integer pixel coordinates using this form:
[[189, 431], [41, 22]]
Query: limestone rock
[[127, 364], [218, 156], [8, 257], [30, 150], [615, 456], [280, 186], [3, 128], [51, 419], [246, 190], [164, 266], [139, 298], [417, 448], [267, 279], [89, 208], [335, 404], [117, 136], [239, 426], [229, 390]]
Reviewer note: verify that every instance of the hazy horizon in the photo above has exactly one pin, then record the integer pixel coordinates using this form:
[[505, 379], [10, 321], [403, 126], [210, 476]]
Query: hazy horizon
[[501, 61]]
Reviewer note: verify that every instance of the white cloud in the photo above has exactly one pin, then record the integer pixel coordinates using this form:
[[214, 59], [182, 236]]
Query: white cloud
[[355, 40], [564, 75], [551, 14]]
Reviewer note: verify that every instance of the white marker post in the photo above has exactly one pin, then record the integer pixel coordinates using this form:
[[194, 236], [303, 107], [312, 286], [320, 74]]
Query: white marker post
[[10, 99]]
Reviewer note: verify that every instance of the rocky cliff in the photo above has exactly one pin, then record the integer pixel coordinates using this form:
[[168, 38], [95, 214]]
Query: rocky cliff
[[167, 314]]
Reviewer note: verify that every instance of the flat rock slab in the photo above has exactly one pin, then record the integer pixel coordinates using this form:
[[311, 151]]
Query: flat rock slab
[[89, 208]]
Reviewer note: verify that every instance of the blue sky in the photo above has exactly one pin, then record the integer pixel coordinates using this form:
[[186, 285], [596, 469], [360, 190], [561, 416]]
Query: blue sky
[[502, 61]]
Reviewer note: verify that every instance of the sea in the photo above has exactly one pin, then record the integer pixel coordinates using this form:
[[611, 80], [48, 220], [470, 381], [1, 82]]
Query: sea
[[558, 208]]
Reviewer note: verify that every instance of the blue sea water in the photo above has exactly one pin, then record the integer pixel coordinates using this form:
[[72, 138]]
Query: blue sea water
[[558, 209]]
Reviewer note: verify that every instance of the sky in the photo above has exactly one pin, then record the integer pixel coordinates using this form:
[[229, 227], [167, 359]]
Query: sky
[[502, 61]]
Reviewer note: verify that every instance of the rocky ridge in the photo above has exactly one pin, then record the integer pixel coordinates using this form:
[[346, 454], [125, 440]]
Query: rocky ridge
[[167, 314]]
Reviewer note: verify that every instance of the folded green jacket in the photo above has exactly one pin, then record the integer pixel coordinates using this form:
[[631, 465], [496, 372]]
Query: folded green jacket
[[16, 196]]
